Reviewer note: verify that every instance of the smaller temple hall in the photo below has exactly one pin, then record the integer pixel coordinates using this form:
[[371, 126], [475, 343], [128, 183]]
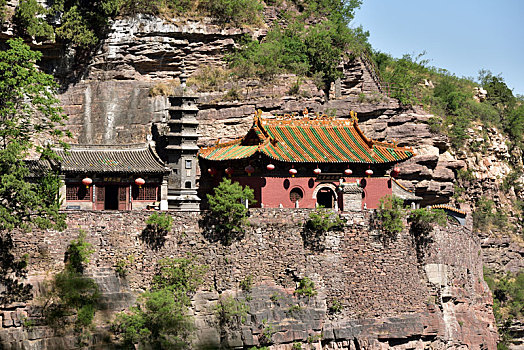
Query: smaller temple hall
[[116, 178], [304, 162]]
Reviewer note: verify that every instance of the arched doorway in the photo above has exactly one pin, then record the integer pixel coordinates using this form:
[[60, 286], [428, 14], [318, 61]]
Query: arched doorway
[[326, 196]]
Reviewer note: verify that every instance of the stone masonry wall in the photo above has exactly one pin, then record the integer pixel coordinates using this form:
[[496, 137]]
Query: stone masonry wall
[[387, 297]]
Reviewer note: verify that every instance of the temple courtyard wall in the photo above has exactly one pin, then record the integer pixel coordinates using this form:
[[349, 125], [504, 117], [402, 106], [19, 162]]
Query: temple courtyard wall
[[390, 297]]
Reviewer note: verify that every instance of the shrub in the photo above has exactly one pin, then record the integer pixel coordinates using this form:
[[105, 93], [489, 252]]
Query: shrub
[[390, 216], [508, 300], [78, 253], [227, 215], [235, 12], [209, 78], [164, 88], [247, 284], [306, 287], [335, 306], [231, 312], [122, 265], [161, 318], [435, 125], [158, 225], [421, 225], [72, 292], [319, 223], [30, 20]]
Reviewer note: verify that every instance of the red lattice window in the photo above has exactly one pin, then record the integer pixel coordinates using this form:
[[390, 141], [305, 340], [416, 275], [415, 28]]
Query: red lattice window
[[146, 193], [77, 192]]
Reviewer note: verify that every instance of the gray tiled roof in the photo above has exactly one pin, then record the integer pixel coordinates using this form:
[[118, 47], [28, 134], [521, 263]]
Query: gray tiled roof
[[110, 159], [38, 167]]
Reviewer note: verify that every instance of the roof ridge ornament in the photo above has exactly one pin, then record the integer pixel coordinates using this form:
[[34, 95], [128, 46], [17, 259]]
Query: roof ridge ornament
[[353, 115]]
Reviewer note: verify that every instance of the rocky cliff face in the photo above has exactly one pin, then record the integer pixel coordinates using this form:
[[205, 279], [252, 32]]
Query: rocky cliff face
[[109, 102]]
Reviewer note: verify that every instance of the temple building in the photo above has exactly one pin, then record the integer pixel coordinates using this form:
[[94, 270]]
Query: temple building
[[308, 161], [113, 178]]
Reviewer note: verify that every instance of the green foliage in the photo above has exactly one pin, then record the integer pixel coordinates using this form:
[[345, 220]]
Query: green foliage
[[315, 50], [335, 306], [319, 223], [314, 338], [235, 12], [28, 109], [390, 216], [247, 284], [3, 4], [181, 274], [78, 253], [74, 21], [161, 319], [294, 310], [158, 225], [160, 221], [508, 300], [72, 292], [306, 287], [29, 17], [435, 125], [123, 264], [486, 216], [422, 222], [268, 330], [296, 346], [227, 215], [231, 312]]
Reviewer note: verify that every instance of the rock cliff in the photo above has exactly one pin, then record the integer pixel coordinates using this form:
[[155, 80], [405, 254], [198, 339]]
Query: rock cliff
[[443, 302]]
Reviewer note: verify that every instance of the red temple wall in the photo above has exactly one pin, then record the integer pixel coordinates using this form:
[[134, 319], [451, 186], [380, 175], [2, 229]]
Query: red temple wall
[[274, 191], [374, 189]]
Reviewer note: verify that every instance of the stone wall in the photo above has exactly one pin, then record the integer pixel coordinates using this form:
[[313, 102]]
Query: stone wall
[[389, 299]]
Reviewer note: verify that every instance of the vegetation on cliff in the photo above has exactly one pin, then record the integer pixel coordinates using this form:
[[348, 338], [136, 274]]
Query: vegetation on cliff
[[508, 301], [73, 296], [161, 319], [28, 192], [312, 42], [453, 98], [227, 215]]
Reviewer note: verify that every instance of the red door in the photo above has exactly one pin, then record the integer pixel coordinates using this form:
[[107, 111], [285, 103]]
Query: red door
[[123, 195], [100, 197]]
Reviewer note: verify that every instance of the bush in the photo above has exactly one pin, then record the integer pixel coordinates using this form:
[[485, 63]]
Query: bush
[[306, 287], [390, 216], [421, 225], [231, 312], [247, 284], [227, 215], [508, 300], [71, 291], [30, 20], [319, 223], [335, 307], [161, 318], [78, 253], [158, 226], [235, 12], [208, 78]]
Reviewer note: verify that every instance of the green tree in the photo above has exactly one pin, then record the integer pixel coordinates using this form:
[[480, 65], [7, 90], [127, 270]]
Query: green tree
[[30, 20], [390, 216], [71, 291], [236, 12], [29, 111], [161, 319], [227, 215]]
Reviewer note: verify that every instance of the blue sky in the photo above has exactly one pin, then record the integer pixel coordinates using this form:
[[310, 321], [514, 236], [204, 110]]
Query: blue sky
[[462, 36]]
